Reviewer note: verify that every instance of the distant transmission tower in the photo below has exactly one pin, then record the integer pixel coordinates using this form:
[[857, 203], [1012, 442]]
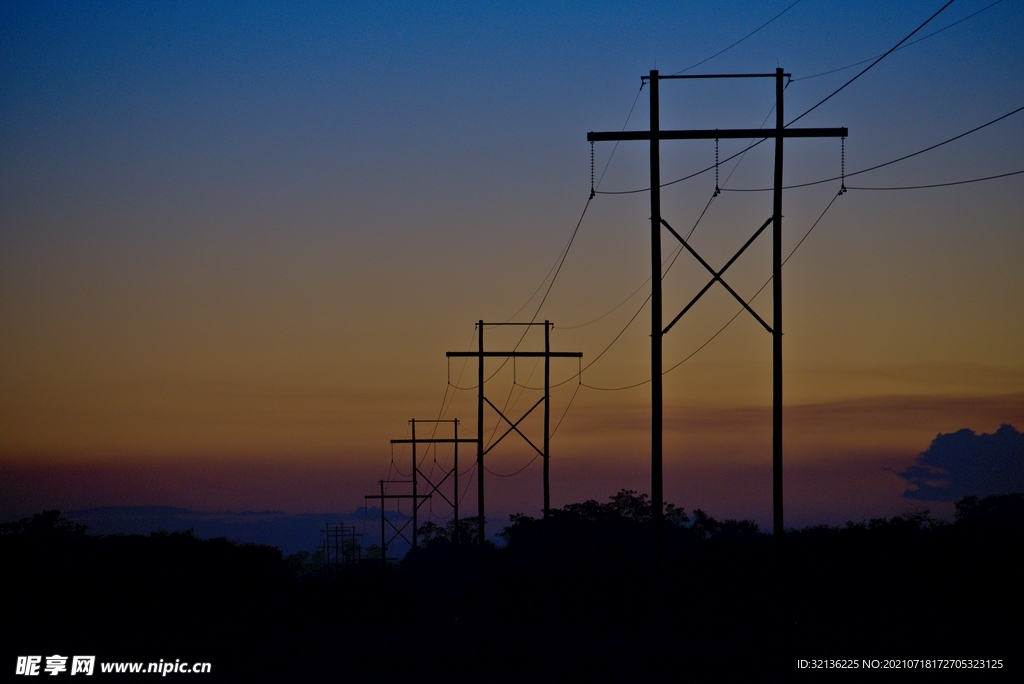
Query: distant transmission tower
[[481, 451]]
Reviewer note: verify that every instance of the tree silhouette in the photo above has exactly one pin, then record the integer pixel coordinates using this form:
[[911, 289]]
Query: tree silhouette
[[46, 525]]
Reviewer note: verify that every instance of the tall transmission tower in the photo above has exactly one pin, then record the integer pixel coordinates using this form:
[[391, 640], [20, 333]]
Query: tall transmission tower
[[655, 135]]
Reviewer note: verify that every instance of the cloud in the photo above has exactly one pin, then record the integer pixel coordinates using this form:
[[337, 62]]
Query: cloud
[[963, 463]]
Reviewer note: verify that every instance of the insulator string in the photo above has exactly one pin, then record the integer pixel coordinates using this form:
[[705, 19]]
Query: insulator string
[[842, 165], [592, 193], [717, 189]]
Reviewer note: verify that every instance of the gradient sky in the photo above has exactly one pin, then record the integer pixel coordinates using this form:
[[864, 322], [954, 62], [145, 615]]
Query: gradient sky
[[237, 239]]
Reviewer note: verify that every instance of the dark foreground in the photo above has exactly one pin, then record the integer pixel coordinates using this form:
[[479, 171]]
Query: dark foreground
[[589, 595]]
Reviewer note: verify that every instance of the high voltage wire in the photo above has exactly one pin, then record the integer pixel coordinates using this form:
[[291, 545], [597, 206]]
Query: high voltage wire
[[724, 50], [526, 330], [744, 152], [884, 164], [567, 407], [564, 252], [678, 180], [939, 185], [514, 472], [730, 321], [578, 375], [558, 261], [616, 145], [561, 261], [872, 65], [902, 47], [623, 330], [562, 255], [610, 311], [671, 262], [469, 482]]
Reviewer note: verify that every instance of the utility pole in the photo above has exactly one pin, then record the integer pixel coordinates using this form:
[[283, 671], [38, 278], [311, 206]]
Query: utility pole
[[655, 135], [435, 487], [657, 414], [777, 526], [482, 399]]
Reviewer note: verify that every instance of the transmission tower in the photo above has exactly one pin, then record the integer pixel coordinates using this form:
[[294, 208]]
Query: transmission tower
[[482, 399], [385, 523], [434, 487], [655, 135]]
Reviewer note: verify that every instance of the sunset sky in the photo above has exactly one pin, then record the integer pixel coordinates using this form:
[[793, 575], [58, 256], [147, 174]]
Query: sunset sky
[[237, 239]]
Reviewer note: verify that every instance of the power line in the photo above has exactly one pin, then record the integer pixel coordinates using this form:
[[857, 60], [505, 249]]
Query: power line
[[567, 406], [444, 408], [616, 145], [678, 180], [902, 47], [526, 330], [939, 185], [514, 472], [565, 251], [469, 482], [557, 265], [724, 50], [399, 470], [743, 153], [870, 66], [610, 311], [888, 163]]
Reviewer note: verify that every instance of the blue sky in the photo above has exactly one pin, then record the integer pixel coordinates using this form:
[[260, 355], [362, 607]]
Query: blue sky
[[251, 230]]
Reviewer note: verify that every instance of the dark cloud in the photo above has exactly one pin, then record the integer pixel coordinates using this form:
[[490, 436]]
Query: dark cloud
[[963, 463]]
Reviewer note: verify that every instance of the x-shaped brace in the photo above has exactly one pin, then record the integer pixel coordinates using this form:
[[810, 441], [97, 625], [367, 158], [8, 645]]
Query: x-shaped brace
[[434, 487], [514, 426], [716, 276], [399, 531]]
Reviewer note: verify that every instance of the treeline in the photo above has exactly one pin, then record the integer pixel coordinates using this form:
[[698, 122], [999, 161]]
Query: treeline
[[594, 592]]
